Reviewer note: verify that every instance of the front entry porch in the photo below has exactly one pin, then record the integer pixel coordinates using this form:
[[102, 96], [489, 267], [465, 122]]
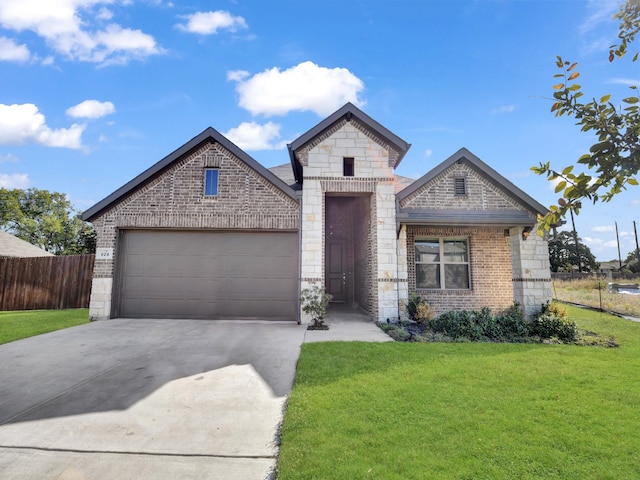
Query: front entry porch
[[348, 259]]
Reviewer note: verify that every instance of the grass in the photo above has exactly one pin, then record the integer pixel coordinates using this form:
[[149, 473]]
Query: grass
[[466, 411], [590, 291], [27, 323]]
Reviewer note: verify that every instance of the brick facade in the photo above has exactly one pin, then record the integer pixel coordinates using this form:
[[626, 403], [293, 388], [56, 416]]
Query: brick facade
[[175, 199], [489, 265], [364, 210], [438, 194]]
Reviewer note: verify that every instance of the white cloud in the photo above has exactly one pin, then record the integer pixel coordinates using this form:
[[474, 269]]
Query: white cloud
[[305, 87], [22, 124], [600, 12], [237, 75], [253, 136], [91, 109], [603, 228], [625, 81], [504, 109], [67, 28], [635, 202], [12, 52], [9, 157], [427, 153], [15, 180], [208, 23]]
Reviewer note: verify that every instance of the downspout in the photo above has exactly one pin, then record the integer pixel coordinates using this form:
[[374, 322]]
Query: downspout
[[299, 195], [398, 228]]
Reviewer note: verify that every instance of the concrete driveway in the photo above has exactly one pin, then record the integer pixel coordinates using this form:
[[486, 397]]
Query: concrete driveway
[[161, 399]]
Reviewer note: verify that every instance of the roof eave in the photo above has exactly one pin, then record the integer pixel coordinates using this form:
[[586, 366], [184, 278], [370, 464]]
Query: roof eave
[[485, 170], [208, 135]]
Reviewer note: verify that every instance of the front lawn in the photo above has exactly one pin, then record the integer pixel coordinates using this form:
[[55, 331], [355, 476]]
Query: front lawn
[[27, 323], [467, 410]]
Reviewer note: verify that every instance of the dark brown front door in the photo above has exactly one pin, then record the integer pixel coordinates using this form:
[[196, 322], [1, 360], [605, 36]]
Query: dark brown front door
[[336, 270]]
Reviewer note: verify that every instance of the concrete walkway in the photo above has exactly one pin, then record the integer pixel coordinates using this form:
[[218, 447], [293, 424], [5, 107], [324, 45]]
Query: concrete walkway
[[153, 399], [347, 323]]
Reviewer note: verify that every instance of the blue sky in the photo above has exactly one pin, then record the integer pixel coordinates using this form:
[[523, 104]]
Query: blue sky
[[93, 92]]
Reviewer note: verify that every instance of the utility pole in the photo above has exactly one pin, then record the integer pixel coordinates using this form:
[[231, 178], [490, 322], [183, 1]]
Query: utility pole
[[637, 248], [575, 241], [618, 240]]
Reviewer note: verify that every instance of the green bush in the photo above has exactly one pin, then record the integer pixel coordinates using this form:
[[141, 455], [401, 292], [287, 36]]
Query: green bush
[[551, 322], [481, 324], [418, 308]]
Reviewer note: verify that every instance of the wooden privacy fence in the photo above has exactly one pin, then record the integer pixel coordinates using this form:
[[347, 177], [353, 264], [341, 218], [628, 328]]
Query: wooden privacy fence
[[45, 282]]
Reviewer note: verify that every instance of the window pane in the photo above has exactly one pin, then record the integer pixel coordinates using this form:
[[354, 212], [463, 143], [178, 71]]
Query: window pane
[[456, 276], [427, 275], [455, 251], [427, 251], [211, 182]]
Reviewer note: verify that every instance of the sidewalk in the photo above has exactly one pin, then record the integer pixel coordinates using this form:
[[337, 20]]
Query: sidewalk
[[347, 324]]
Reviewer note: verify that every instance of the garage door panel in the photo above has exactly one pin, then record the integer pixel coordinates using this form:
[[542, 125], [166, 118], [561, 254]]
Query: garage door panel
[[187, 274]]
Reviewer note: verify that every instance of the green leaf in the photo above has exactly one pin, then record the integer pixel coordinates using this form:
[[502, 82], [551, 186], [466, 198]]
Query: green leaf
[[561, 186], [630, 100], [605, 99], [567, 170], [632, 181], [574, 87]]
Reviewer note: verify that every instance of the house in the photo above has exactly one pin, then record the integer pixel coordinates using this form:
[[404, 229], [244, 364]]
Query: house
[[208, 232], [11, 246]]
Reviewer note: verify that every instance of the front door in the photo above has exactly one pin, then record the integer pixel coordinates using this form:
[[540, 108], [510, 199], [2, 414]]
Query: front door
[[336, 270]]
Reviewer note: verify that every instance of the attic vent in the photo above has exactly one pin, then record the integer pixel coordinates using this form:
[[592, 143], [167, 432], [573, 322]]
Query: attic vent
[[459, 186]]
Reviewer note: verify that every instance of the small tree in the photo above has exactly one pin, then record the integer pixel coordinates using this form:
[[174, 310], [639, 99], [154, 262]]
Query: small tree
[[562, 254], [611, 165], [314, 302]]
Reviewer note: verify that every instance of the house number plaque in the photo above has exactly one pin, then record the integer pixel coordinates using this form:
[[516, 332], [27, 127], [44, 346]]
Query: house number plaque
[[104, 253]]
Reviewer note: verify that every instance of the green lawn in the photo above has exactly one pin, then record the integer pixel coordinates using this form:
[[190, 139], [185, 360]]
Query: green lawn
[[467, 411], [27, 323]]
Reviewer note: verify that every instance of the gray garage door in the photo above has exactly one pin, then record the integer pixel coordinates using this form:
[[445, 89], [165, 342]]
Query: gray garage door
[[208, 275]]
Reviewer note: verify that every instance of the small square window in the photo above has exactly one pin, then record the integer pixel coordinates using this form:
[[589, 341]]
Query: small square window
[[347, 167], [211, 182], [459, 186]]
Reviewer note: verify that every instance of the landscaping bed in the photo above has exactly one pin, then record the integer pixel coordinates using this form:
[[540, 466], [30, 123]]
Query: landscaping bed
[[550, 325]]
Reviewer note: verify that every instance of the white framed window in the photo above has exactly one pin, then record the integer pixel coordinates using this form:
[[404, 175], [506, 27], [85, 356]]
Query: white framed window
[[210, 182], [442, 263]]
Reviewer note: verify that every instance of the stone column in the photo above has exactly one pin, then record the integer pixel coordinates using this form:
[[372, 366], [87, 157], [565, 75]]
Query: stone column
[[403, 272], [387, 251], [311, 238], [531, 270]]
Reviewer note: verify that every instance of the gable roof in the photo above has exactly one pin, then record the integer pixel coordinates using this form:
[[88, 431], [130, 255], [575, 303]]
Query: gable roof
[[208, 135], [458, 217], [12, 246], [348, 111]]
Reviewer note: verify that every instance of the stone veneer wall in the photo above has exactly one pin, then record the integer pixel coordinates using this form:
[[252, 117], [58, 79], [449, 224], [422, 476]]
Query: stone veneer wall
[[322, 161], [531, 270], [490, 269], [175, 200]]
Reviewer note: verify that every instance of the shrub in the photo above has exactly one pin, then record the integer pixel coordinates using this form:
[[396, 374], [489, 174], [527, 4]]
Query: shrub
[[418, 308], [481, 324], [551, 322], [314, 302]]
